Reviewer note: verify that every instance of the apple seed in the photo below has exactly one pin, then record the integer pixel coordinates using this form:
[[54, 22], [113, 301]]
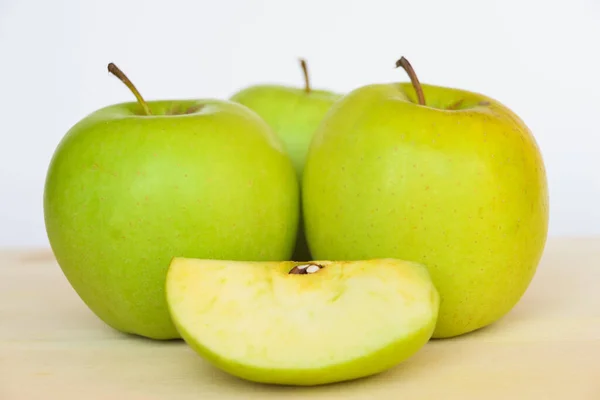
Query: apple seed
[[305, 269], [312, 269]]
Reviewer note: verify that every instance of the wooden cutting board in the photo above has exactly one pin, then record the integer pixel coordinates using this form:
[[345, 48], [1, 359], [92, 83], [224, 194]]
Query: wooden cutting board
[[548, 347]]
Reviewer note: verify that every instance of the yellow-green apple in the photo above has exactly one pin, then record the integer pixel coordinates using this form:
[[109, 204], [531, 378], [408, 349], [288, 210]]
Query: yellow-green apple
[[305, 324], [293, 113], [445, 177], [132, 185]]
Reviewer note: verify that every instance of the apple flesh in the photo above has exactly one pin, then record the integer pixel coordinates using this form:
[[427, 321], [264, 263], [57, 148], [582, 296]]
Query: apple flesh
[[340, 321], [458, 185], [294, 114], [125, 192]]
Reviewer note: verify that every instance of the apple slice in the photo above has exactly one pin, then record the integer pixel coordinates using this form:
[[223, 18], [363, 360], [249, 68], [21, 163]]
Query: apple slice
[[302, 323]]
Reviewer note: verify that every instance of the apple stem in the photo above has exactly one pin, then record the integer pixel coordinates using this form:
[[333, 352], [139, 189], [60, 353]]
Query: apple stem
[[306, 78], [113, 69], [403, 62]]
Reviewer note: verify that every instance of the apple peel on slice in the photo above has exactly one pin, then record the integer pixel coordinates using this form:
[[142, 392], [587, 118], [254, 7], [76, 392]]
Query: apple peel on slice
[[289, 324]]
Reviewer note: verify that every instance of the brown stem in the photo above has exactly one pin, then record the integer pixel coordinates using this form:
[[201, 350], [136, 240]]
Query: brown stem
[[403, 62], [306, 78], [113, 69]]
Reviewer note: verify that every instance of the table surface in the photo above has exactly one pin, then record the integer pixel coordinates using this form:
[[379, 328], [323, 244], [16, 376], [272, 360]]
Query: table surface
[[548, 347]]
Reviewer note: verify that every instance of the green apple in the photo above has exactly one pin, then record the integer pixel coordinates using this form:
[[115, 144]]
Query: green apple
[[445, 177], [290, 323], [133, 185], [294, 114]]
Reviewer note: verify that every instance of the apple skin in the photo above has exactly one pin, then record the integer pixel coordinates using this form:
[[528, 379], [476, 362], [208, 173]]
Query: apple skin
[[294, 115], [462, 191], [127, 192], [375, 363], [257, 322]]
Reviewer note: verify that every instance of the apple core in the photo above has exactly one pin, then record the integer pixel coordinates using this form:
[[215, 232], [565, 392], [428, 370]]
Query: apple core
[[305, 269]]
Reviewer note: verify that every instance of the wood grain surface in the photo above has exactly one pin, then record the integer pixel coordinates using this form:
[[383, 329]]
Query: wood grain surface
[[548, 347]]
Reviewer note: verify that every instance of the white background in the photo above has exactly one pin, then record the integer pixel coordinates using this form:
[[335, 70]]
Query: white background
[[542, 58]]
